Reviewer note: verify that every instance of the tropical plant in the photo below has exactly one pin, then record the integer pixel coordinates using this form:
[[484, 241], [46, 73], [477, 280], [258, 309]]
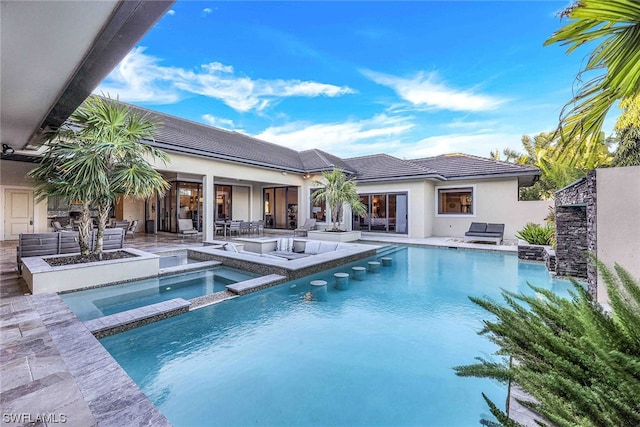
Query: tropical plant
[[536, 234], [614, 64], [628, 133], [559, 165], [579, 362], [97, 157], [339, 191]]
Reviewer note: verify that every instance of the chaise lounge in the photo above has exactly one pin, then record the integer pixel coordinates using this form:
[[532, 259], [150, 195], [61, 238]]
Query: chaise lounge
[[483, 232]]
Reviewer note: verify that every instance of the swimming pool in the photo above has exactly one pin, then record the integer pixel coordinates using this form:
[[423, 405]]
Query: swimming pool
[[97, 302], [379, 353]]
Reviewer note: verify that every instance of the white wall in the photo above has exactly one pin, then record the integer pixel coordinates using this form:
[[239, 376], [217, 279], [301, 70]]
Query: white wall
[[13, 175], [240, 203], [133, 209], [618, 221], [496, 201]]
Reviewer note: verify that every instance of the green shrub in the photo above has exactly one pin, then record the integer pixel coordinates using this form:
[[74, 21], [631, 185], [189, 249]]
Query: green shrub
[[580, 363], [536, 234]]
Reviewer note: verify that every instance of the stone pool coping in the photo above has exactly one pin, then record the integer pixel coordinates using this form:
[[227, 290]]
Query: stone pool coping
[[115, 323], [119, 322], [75, 377]]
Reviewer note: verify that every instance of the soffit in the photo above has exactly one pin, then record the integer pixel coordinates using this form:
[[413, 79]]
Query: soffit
[[54, 53]]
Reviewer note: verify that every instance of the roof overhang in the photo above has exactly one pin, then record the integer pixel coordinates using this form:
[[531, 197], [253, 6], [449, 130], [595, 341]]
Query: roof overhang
[[54, 54], [402, 178], [525, 179]]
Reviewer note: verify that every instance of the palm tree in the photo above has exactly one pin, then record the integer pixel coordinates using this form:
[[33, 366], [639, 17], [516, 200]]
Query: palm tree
[[628, 133], [97, 157], [338, 191], [615, 24]]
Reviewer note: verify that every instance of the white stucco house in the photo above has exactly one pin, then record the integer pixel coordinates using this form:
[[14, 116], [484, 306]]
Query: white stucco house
[[217, 174]]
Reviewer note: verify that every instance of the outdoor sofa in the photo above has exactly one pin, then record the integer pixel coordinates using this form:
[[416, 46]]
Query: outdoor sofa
[[483, 232], [63, 242]]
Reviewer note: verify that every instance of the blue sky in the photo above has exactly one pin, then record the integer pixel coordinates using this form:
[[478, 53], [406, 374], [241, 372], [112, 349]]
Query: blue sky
[[410, 79]]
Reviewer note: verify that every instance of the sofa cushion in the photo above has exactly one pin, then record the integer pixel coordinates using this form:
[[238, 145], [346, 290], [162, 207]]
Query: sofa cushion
[[495, 228], [327, 247], [284, 245], [478, 227], [312, 248]]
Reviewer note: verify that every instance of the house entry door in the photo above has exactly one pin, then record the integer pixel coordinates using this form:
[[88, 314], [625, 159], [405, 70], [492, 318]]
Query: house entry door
[[18, 213]]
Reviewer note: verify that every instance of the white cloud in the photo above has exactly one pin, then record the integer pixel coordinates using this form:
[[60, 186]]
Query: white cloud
[[426, 91], [220, 122], [140, 77], [479, 144], [348, 139], [171, 12], [207, 10]]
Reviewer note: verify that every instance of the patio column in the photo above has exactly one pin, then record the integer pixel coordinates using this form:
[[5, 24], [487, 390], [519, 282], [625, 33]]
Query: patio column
[[208, 191]]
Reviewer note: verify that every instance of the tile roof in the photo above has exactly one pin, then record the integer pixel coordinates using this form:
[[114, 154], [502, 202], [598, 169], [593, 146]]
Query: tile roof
[[461, 166], [386, 167], [318, 160], [182, 135]]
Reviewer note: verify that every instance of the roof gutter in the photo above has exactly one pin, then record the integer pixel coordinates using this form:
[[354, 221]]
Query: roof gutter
[[497, 175], [403, 178]]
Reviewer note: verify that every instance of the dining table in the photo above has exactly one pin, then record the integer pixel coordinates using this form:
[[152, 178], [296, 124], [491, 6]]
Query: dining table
[[225, 226]]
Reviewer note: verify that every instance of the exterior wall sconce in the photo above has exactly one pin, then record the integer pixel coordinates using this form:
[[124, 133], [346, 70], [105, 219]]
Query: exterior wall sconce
[[306, 176], [7, 149]]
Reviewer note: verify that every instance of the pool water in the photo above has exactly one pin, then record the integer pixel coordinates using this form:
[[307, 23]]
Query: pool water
[[377, 354], [97, 302]]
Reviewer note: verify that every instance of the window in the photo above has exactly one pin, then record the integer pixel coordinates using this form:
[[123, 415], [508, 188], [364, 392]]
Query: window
[[455, 201], [318, 209]]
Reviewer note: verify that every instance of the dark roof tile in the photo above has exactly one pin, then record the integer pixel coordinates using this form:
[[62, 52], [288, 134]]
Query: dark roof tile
[[458, 166], [384, 166]]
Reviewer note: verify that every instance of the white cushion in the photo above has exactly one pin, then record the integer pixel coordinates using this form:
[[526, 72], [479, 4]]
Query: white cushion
[[312, 248], [284, 245], [270, 256], [342, 246], [327, 247], [230, 248]]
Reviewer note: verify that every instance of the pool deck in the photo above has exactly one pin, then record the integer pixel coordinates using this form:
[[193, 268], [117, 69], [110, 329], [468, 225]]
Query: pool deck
[[53, 369]]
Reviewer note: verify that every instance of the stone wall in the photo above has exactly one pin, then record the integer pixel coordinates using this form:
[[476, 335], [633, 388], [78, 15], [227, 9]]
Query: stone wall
[[538, 253], [573, 194], [592, 235], [571, 241], [531, 252]]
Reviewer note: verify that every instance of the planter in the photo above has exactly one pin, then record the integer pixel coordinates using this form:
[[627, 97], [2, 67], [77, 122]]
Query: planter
[[335, 236], [41, 277]]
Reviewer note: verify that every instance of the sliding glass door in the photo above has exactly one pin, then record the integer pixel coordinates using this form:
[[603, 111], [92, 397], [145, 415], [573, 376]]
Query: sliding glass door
[[386, 213], [280, 207], [183, 200]]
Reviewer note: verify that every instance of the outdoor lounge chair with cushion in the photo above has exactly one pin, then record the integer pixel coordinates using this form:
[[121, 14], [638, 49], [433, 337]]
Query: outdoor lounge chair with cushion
[[185, 227], [131, 231], [483, 232], [309, 224]]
